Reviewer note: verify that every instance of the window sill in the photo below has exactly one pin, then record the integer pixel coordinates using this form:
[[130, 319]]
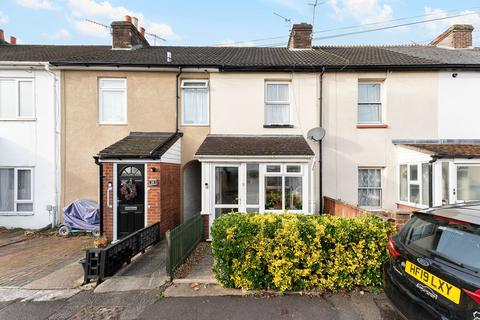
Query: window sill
[[195, 125], [372, 126], [276, 126], [9, 214], [411, 204], [113, 124], [20, 119]]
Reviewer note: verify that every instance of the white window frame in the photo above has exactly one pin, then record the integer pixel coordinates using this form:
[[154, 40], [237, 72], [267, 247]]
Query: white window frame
[[418, 182], [15, 192], [381, 110], [204, 86], [17, 98], [100, 102], [377, 188], [283, 174], [289, 103]]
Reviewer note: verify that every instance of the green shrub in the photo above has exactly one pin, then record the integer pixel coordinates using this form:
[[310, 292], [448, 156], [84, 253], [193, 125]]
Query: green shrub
[[298, 252]]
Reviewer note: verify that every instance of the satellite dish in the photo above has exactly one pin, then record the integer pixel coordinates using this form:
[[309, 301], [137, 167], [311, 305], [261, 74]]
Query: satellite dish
[[316, 134]]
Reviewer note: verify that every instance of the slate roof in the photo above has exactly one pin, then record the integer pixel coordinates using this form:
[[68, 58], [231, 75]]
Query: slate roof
[[261, 145], [47, 53], [448, 148], [140, 145], [248, 58]]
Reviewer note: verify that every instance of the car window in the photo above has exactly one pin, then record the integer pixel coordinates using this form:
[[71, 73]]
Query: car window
[[457, 242]]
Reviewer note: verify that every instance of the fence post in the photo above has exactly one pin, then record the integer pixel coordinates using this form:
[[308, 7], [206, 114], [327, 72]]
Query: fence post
[[169, 253]]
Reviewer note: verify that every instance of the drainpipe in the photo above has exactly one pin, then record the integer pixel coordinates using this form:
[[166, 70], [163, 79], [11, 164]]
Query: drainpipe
[[177, 95], [56, 137], [430, 180], [320, 149], [100, 191]]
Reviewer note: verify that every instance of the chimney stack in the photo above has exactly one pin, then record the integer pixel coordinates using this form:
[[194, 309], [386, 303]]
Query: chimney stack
[[13, 40], [125, 34], [458, 36], [142, 31], [135, 22], [301, 36]]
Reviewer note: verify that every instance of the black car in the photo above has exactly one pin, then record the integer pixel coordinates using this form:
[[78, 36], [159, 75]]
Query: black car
[[434, 266]]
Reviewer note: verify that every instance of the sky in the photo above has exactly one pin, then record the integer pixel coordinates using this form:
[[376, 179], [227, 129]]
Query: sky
[[236, 22]]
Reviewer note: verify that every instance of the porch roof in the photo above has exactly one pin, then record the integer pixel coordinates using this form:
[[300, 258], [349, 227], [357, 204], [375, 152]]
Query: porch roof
[[444, 148], [141, 145], [254, 145]]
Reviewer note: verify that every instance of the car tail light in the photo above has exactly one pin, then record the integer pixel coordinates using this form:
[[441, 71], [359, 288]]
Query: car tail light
[[451, 220], [474, 295], [391, 248]]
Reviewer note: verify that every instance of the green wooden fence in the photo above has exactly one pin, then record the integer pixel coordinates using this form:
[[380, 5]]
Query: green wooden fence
[[181, 241]]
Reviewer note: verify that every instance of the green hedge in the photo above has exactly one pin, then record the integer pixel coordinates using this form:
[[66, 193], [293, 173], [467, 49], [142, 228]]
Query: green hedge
[[298, 252]]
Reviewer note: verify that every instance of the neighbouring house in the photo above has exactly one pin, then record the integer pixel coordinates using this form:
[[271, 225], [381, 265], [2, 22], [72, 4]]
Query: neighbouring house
[[30, 133], [162, 133]]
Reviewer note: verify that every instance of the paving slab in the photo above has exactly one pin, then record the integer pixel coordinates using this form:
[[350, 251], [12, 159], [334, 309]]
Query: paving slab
[[13, 294], [68, 277], [8, 237]]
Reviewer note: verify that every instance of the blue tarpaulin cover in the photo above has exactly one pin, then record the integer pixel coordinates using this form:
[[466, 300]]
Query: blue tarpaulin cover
[[82, 214]]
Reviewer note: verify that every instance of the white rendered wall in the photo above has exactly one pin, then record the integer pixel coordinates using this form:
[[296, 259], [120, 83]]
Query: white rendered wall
[[459, 105], [32, 144]]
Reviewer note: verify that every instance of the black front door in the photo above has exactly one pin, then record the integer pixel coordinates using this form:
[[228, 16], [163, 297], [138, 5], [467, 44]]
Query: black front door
[[130, 198]]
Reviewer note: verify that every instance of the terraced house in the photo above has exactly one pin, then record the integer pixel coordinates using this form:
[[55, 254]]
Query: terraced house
[[162, 133]]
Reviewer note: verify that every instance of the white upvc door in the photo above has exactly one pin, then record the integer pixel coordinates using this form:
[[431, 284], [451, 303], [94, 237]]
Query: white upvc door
[[465, 182], [226, 192]]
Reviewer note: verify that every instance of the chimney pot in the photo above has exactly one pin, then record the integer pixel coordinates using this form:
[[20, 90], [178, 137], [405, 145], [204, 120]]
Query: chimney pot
[[458, 36], [13, 40], [2, 35], [128, 19], [135, 21], [301, 36], [142, 31]]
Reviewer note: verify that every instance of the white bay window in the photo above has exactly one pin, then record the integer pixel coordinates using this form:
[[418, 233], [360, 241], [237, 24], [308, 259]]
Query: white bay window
[[277, 103], [17, 100], [112, 101], [195, 102], [16, 193]]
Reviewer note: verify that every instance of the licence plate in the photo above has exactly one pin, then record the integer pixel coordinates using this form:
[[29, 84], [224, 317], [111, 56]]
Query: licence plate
[[444, 288]]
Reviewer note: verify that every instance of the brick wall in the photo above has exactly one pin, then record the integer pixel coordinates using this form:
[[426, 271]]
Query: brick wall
[[206, 226], [342, 209], [163, 200], [107, 212]]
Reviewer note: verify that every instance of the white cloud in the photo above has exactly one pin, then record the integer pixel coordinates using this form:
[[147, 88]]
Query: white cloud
[[105, 12], [3, 18], [60, 34], [470, 17], [363, 11], [36, 4], [232, 43]]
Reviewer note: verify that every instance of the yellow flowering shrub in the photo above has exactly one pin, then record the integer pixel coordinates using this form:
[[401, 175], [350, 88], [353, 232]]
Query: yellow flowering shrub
[[298, 252]]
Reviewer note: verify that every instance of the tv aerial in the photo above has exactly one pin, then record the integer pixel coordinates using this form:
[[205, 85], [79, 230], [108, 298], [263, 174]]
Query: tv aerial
[[287, 20]]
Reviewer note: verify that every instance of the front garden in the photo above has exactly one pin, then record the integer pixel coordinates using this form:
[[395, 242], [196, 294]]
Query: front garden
[[294, 252]]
